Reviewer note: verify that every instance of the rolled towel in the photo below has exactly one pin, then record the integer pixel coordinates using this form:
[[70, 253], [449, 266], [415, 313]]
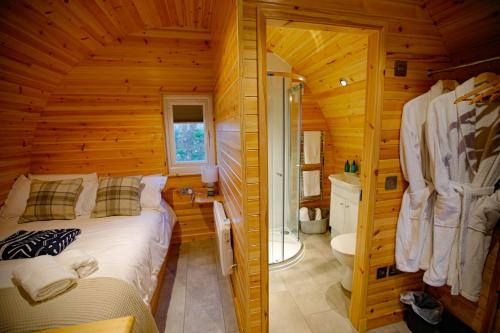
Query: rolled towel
[[304, 214], [317, 215], [43, 278], [81, 262]]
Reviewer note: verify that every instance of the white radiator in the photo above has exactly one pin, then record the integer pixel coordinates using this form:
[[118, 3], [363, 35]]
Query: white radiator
[[223, 235]]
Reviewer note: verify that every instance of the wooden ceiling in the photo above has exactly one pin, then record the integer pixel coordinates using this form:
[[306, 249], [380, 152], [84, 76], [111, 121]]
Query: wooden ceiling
[[51, 37], [322, 57], [470, 28]]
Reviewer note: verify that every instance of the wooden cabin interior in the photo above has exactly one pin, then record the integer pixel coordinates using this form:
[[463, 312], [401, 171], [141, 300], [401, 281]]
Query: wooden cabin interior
[[183, 157]]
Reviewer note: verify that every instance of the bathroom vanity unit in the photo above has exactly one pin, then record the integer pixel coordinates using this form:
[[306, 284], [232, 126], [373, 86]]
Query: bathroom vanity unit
[[344, 203]]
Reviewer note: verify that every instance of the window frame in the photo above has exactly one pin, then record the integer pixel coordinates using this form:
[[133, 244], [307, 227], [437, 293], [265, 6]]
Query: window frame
[[194, 167]]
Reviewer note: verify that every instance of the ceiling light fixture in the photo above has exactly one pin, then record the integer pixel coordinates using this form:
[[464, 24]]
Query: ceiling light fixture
[[343, 82]]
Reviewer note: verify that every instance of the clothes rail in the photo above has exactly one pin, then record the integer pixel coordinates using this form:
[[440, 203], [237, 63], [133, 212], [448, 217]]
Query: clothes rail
[[449, 69]]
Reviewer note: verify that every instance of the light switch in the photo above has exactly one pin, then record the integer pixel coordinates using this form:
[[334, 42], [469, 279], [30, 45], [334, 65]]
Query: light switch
[[391, 183], [400, 68]]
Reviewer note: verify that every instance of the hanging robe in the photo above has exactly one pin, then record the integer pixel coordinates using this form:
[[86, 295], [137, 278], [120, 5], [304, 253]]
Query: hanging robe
[[463, 150], [414, 232], [447, 165], [481, 216]]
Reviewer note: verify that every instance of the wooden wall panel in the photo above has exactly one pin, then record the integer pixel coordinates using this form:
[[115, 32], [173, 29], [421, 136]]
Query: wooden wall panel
[[44, 40], [230, 137], [109, 107], [467, 25], [410, 36], [195, 221]]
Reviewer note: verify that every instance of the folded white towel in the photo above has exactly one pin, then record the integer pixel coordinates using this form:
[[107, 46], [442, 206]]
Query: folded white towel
[[304, 214], [317, 215], [81, 262], [312, 147], [43, 278], [311, 183]]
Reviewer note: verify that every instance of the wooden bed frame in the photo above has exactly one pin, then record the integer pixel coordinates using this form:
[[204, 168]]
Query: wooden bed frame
[[156, 295]]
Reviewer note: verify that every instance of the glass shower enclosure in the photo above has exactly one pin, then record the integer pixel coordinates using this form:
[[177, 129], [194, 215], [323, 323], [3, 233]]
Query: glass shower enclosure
[[284, 146]]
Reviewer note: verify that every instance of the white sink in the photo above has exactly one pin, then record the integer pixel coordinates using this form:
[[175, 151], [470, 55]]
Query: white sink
[[347, 181]]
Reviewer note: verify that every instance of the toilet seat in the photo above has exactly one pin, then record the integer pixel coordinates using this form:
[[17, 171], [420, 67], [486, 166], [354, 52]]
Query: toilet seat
[[345, 243]]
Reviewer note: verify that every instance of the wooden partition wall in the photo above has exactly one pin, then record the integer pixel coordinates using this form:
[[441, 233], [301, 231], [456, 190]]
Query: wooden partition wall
[[237, 157], [407, 34]]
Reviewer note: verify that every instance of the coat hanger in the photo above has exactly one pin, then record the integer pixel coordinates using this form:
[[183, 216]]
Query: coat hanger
[[489, 92], [485, 81], [485, 78], [495, 97]]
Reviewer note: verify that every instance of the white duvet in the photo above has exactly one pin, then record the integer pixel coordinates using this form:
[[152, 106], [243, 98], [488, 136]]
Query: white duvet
[[130, 248]]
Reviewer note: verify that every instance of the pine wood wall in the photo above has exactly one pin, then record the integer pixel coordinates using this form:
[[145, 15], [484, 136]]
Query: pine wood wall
[[410, 36], [117, 72], [109, 107], [232, 139]]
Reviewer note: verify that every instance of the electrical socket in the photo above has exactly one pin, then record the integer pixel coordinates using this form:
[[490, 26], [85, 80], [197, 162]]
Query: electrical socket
[[186, 190], [381, 272]]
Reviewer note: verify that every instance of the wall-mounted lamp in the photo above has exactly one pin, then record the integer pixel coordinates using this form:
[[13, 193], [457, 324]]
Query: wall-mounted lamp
[[209, 176], [343, 82]]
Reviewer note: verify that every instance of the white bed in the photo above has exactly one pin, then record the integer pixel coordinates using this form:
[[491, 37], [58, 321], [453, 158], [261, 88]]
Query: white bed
[[130, 248]]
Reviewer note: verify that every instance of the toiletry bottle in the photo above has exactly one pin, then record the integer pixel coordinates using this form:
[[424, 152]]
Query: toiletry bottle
[[347, 167], [354, 167]]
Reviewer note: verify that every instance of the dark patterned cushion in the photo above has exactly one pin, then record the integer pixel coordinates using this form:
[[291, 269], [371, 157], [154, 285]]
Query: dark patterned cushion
[[118, 196], [30, 244], [52, 200]]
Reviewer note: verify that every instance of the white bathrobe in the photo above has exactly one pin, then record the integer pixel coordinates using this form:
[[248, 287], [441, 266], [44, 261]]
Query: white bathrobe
[[456, 135], [484, 210], [414, 230], [447, 164]]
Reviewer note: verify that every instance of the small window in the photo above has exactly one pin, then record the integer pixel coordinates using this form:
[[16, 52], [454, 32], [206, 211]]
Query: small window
[[188, 125]]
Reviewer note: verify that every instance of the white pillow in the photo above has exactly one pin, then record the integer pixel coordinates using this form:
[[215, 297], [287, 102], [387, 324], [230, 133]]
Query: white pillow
[[86, 201], [151, 191], [16, 201]]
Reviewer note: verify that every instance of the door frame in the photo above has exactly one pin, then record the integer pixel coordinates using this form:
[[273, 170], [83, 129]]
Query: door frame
[[371, 138]]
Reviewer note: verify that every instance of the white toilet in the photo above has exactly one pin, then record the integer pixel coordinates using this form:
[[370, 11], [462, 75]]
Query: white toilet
[[344, 247], [344, 205]]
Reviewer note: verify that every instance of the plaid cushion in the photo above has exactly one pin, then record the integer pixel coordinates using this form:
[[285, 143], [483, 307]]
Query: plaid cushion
[[118, 196], [52, 200]]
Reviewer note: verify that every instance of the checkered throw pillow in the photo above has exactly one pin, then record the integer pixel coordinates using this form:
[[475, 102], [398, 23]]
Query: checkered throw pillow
[[118, 196], [52, 200]]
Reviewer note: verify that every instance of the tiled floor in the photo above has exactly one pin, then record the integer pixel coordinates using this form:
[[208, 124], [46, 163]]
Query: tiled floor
[[308, 298], [195, 297], [305, 298]]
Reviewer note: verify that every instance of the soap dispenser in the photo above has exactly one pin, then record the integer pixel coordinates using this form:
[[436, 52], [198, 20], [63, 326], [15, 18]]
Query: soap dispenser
[[347, 166], [354, 167]]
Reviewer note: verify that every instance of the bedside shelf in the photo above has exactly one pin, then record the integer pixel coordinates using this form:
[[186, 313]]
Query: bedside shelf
[[204, 199]]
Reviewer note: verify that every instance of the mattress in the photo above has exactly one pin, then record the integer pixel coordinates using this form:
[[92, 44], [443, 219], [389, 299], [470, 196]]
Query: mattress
[[129, 248]]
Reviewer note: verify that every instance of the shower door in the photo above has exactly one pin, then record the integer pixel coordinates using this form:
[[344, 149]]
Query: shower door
[[292, 165], [284, 129]]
